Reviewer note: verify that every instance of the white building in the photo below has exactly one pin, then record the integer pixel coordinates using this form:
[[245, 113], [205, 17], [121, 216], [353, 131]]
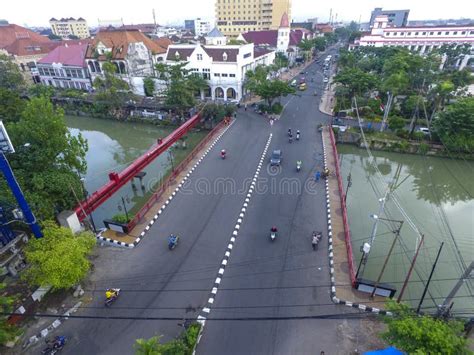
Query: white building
[[201, 27], [421, 39], [215, 38], [65, 67], [223, 66]]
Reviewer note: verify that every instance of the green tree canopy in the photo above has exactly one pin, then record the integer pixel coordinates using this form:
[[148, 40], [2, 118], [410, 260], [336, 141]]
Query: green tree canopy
[[357, 81], [11, 106], [268, 90], [112, 91], [455, 125], [59, 258], [48, 158], [7, 332], [423, 334], [10, 75]]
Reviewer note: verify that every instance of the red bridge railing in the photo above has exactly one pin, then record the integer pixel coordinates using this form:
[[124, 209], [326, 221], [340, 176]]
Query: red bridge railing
[[347, 232], [117, 180]]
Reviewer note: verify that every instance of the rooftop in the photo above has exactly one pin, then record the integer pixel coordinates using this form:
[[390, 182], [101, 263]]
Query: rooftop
[[215, 33], [72, 55]]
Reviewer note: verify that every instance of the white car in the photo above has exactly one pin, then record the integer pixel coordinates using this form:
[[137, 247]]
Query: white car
[[425, 130], [326, 80]]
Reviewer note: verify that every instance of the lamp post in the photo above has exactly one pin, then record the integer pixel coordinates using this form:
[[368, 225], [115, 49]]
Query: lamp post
[[365, 249], [86, 196]]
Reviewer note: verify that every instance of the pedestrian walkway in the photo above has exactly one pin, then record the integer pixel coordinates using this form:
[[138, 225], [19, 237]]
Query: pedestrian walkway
[[341, 262], [328, 100]]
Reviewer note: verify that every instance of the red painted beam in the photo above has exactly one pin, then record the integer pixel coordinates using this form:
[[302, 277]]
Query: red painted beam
[[117, 180]]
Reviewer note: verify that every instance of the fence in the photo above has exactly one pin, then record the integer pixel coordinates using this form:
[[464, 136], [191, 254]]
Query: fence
[[347, 232], [170, 179]]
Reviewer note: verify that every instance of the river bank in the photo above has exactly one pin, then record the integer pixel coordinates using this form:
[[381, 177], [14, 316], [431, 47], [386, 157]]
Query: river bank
[[437, 194]]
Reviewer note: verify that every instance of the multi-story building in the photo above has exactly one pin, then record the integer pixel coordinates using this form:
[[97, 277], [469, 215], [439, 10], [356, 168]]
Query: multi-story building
[[189, 25], [66, 27], [201, 27], [223, 66], [396, 18], [421, 39], [235, 16], [65, 67], [133, 54]]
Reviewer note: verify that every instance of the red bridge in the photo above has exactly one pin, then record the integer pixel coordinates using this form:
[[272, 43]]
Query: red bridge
[[117, 180]]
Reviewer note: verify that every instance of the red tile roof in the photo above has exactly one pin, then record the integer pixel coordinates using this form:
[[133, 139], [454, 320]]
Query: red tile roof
[[118, 41], [258, 52], [163, 42], [26, 47], [217, 54], [11, 33], [295, 37], [261, 37], [184, 53], [72, 55], [284, 21]]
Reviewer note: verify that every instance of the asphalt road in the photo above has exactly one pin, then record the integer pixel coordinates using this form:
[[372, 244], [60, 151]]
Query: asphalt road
[[285, 278]]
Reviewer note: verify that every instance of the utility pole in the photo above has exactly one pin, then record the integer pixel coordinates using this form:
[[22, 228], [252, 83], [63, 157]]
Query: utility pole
[[429, 279], [386, 111], [443, 310], [410, 270], [397, 234]]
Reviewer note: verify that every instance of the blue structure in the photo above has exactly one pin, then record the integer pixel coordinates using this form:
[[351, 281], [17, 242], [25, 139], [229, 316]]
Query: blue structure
[[16, 190], [389, 351]]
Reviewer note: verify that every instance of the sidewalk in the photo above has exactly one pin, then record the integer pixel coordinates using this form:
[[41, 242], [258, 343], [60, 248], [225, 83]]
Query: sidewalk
[[341, 274]]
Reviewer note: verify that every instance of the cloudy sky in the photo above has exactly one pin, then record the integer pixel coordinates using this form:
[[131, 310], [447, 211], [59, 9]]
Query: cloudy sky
[[37, 13]]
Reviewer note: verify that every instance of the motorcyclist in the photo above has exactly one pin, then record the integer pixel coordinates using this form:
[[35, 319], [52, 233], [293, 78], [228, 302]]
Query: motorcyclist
[[298, 134], [172, 239], [315, 240], [326, 172], [289, 132], [274, 229], [298, 164], [111, 293], [223, 152], [59, 342]]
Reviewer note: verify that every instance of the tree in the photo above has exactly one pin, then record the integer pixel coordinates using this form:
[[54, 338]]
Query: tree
[[455, 125], [112, 91], [48, 158], [396, 123], [10, 75], [234, 41], [149, 86], [423, 334], [11, 106], [181, 86], [7, 331], [357, 81], [269, 90], [281, 60], [59, 258], [41, 90], [320, 43]]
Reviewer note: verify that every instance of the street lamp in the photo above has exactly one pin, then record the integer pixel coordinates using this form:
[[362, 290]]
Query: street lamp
[[364, 249], [85, 193]]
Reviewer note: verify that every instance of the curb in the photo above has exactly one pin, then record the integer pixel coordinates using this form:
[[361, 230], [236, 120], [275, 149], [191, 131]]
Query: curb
[[212, 295], [168, 200], [331, 256], [53, 326]]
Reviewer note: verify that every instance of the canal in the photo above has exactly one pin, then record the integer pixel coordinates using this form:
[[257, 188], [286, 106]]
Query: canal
[[113, 146], [437, 195]]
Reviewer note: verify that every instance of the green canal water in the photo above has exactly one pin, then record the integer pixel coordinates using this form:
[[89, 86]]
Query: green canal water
[[437, 195], [115, 145]]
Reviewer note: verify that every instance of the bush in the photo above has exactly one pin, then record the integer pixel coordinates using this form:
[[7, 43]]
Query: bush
[[419, 136], [423, 148], [396, 123], [277, 108], [402, 133], [120, 218]]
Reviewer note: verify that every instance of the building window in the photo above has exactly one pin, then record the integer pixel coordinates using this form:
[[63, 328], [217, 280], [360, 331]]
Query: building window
[[388, 33], [199, 56], [439, 33], [232, 75], [224, 75], [416, 33], [424, 33], [217, 75], [455, 32], [224, 56], [463, 32], [431, 33], [447, 33], [409, 34]]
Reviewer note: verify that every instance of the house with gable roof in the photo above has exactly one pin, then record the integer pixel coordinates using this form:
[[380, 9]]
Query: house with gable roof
[[132, 52], [284, 40], [222, 66]]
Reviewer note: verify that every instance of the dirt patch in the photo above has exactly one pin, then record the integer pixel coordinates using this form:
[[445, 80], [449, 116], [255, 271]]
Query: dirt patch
[[360, 336]]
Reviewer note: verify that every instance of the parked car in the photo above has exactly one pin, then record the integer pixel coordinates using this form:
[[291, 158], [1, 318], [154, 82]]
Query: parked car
[[293, 83], [326, 80], [275, 159], [302, 87], [425, 130]]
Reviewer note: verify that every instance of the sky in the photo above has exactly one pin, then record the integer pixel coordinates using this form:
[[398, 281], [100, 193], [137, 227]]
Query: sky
[[38, 13]]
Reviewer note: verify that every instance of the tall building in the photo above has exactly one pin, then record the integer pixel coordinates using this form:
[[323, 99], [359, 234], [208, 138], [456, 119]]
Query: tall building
[[66, 27], [396, 18], [201, 27], [236, 16], [189, 25]]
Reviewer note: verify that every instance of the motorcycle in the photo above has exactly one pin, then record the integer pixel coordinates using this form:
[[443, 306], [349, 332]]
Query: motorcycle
[[290, 139], [110, 300], [298, 166], [223, 154], [54, 347], [289, 132], [297, 136], [172, 242], [316, 238], [273, 234]]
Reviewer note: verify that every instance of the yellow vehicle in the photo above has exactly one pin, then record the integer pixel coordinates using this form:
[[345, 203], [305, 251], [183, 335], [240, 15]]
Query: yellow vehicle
[[302, 86]]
